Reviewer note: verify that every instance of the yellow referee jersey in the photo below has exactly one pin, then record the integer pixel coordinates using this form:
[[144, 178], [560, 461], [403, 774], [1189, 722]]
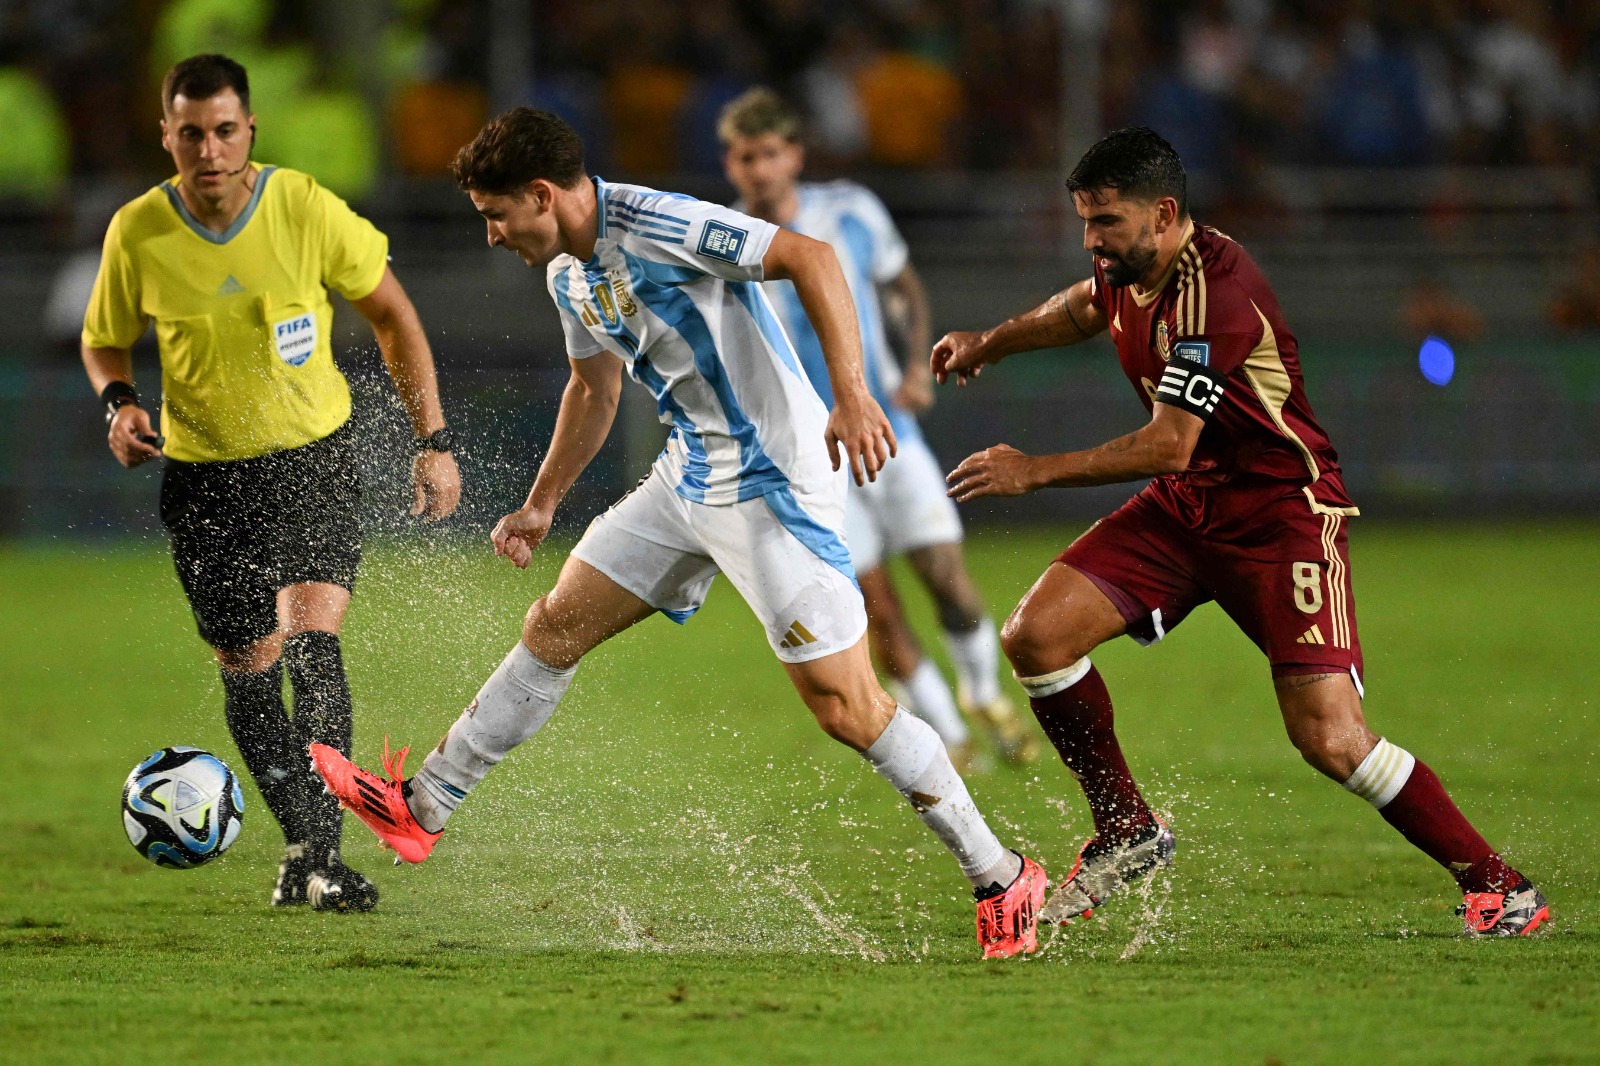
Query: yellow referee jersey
[[242, 317]]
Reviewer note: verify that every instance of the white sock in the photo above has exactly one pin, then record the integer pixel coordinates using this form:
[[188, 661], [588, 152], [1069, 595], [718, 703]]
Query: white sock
[[909, 755], [1382, 774], [516, 701], [976, 655], [926, 695]]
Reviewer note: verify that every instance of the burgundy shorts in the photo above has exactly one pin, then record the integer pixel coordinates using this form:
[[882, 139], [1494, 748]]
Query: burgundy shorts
[[1288, 589]]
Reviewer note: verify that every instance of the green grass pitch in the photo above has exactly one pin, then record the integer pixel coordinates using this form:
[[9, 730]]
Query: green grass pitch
[[682, 868]]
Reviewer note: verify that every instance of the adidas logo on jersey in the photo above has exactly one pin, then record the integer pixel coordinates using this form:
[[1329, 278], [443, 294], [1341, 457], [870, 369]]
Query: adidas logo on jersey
[[797, 637], [230, 287], [1312, 636]]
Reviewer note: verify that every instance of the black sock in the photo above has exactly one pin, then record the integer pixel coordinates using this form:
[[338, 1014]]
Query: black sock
[[322, 715], [273, 750]]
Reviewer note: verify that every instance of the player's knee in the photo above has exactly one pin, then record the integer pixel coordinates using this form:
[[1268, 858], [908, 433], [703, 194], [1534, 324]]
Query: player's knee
[[854, 718], [253, 657], [1332, 754], [1031, 646], [551, 632], [834, 715]]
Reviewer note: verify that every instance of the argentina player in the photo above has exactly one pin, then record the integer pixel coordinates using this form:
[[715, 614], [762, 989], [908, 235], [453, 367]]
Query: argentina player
[[906, 510], [749, 485]]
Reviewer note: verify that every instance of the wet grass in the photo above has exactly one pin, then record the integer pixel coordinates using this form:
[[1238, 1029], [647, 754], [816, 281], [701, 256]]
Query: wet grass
[[681, 868]]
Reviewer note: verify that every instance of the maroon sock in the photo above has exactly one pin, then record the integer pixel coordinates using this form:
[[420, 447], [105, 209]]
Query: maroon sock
[[1078, 722], [1426, 816]]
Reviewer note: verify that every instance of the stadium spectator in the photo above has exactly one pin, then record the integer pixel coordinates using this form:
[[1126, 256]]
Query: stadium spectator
[[912, 106], [1577, 303], [1431, 309], [34, 149]]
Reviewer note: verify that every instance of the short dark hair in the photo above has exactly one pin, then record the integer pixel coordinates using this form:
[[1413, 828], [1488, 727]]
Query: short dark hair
[[1137, 162], [204, 76], [520, 146]]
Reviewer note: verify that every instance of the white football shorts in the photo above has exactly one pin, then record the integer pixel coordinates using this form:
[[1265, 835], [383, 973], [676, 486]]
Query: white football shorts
[[782, 551], [905, 509]]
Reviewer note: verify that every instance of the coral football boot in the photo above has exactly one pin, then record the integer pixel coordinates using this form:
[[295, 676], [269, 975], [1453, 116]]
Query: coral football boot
[[1519, 912], [1103, 869], [380, 804], [1007, 919]]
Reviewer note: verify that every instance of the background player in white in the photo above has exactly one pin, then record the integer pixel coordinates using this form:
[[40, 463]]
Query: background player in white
[[907, 509], [668, 287]]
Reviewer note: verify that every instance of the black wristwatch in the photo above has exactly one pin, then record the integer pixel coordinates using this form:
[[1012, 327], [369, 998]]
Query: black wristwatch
[[439, 440], [115, 395]]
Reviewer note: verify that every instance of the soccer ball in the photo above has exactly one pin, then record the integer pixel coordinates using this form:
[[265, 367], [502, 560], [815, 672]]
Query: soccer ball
[[182, 807]]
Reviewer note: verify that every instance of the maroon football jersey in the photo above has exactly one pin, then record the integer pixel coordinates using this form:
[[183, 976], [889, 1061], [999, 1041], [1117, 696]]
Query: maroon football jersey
[[1212, 316]]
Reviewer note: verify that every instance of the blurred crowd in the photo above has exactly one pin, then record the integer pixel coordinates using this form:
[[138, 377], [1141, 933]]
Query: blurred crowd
[[352, 91], [356, 90], [1359, 82]]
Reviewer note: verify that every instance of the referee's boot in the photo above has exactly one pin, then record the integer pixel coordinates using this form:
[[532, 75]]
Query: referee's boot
[[333, 886], [293, 873], [325, 882]]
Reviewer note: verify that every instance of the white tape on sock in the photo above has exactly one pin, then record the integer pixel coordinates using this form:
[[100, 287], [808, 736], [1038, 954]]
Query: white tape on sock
[[1059, 681], [1382, 774]]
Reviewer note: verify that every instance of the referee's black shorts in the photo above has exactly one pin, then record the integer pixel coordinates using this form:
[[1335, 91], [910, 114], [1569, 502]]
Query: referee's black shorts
[[242, 529]]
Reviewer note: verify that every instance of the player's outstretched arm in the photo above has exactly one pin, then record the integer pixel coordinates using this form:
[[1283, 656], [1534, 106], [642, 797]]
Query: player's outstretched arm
[[131, 437], [1068, 317], [1163, 446], [436, 483], [856, 423], [588, 407]]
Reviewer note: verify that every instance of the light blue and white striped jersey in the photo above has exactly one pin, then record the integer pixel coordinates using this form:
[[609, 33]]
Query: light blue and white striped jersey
[[674, 290], [872, 252]]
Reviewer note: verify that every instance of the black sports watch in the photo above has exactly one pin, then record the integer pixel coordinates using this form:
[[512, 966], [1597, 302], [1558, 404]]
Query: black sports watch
[[115, 395], [440, 440]]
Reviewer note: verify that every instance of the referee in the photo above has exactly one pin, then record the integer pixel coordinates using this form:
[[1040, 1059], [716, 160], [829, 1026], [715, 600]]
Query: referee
[[233, 261]]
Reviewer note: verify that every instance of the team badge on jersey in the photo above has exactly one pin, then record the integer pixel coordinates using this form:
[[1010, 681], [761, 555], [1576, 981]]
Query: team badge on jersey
[[722, 241], [1163, 342], [608, 304], [619, 289], [1194, 352], [295, 338]]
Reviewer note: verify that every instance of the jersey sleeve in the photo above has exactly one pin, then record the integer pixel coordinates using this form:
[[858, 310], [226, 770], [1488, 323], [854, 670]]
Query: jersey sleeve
[[1215, 333], [889, 255], [706, 237], [354, 251], [113, 318], [579, 341]]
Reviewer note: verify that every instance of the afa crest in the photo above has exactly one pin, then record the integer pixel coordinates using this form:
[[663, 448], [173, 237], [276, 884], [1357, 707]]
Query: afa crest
[[614, 299], [1163, 342]]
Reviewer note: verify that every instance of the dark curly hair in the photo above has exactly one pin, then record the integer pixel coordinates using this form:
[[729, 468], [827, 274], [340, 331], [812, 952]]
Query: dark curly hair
[[1137, 162], [520, 146]]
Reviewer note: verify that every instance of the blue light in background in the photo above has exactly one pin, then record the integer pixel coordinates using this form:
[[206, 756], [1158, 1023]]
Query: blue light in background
[[1437, 361]]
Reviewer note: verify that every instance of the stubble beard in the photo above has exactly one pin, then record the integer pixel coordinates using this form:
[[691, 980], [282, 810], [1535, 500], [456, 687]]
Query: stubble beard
[[1129, 268]]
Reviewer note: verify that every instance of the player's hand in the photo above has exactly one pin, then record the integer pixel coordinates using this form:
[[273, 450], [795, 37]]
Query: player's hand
[[517, 534], [131, 423], [859, 425], [961, 354], [997, 471], [435, 485], [915, 393]]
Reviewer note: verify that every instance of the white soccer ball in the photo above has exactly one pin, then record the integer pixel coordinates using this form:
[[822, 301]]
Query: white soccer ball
[[182, 807]]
